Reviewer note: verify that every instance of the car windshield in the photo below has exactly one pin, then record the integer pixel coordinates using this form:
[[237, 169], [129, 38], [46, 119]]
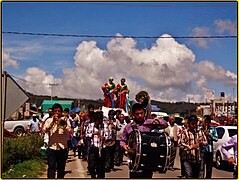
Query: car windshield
[[232, 132]]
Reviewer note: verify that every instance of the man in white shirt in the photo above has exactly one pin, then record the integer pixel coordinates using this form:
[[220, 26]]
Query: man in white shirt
[[34, 124], [96, 157], [119, 153], [172, 131]]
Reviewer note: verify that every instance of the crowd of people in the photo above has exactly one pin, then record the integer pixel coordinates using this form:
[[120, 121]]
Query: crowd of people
[[103, 140]]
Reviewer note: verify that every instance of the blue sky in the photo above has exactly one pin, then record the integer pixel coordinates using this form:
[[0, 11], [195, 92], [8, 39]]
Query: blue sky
[[153, 64]]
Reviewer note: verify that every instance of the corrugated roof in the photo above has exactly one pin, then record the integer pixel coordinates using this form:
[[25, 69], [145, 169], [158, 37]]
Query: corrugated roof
[[46, 104]]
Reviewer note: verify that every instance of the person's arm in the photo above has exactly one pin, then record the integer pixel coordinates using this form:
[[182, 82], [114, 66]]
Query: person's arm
[[202, 140], [48, 125], [214, 135], [29, 125], [39, 125], [184, 141], [82, 126], [68, 126], [225, 149], [123, 141]]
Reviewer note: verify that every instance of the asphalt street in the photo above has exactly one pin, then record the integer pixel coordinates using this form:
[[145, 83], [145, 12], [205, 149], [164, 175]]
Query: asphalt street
[[76, 168]]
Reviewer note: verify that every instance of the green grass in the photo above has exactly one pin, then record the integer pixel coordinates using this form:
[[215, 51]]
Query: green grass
[[27, 169]]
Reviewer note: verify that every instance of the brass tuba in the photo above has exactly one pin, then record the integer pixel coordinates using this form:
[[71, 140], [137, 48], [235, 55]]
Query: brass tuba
[[143, 98]]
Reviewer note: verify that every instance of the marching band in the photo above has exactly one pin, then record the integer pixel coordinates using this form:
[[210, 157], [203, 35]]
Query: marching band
[[149, 142]]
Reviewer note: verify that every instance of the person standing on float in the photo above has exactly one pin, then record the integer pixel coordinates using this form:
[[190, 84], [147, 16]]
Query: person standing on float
[[109, 91], [122, 91]]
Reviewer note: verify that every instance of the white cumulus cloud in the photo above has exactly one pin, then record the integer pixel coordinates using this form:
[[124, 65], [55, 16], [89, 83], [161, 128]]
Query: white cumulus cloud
[[167, 71]]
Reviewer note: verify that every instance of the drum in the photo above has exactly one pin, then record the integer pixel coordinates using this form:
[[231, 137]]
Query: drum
[[149, 150]]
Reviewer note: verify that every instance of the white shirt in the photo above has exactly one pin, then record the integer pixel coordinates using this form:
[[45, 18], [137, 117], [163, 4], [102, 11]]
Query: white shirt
[[171, 128], [45, 117], [120, 128], [34, 125]]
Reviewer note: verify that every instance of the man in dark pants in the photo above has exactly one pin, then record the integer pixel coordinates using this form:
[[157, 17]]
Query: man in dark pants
[[57, 153], [207, 151], [139, 123], [191, 141], [172, 130], [96, 157], [111, 137], [86, 120]]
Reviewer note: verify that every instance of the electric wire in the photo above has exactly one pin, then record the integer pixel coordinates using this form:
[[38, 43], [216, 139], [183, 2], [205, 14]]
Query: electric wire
[[119, 36]]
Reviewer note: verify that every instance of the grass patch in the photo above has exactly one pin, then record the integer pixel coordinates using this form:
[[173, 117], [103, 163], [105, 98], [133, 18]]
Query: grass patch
[[27, 169]]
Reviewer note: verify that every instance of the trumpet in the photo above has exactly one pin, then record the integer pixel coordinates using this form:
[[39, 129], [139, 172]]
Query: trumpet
[[62, 123]]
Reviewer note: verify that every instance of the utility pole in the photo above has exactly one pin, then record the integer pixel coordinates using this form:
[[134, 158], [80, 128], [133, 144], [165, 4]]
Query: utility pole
[[51, 87], [233, 94]]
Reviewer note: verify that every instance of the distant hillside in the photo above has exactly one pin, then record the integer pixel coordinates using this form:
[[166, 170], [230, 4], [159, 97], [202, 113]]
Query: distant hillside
[[183, 108]]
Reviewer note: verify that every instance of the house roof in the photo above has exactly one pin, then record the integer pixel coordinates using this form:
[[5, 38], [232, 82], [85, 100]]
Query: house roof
[[46, 104]]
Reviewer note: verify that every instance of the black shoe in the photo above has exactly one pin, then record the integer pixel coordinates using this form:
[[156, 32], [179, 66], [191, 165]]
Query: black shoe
[[107, 170]]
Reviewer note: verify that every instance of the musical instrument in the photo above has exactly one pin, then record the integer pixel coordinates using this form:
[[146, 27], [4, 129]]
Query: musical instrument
[[62, 122], [143, 98], [61, 125], [149, 150]]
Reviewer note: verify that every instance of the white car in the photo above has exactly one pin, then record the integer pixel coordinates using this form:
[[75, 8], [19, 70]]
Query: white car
[[224, 133]]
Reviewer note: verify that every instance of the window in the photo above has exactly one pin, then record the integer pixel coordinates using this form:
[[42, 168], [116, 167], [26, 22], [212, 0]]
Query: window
[[232, 132], [220, 132]]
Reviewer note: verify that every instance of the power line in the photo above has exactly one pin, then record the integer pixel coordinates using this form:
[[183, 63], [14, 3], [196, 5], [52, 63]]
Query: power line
[[121, 36], [32, 83]]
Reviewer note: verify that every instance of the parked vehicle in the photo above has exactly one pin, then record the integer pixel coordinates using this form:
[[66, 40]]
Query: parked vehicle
[[224, 133], [18, 127]]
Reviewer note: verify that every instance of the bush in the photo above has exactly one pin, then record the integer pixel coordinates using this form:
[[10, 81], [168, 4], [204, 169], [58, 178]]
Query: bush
[[27, 169], [20, 149]]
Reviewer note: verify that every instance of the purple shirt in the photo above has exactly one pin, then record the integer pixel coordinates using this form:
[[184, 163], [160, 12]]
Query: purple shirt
[[128, 129], [231, 143]]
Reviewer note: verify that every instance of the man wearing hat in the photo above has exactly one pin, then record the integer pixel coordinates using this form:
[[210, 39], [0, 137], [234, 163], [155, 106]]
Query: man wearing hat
[[109, 91]]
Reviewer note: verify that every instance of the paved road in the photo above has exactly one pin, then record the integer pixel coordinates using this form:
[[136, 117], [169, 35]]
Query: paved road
[[76, 168]]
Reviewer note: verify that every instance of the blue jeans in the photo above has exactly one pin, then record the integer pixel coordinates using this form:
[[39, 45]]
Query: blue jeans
[[191, 169], [87, 141], [75, 142]]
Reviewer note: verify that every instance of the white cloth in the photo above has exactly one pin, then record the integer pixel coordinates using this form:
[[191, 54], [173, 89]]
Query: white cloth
[[34, 125], [120, 128], [171, 128], [45, 117]]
